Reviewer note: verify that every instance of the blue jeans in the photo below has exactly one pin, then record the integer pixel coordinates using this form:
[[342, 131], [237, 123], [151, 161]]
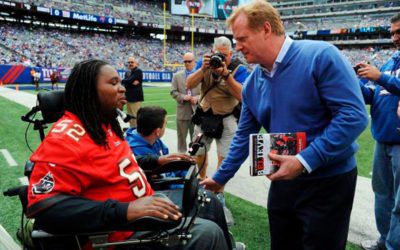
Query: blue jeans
[[385, 184]]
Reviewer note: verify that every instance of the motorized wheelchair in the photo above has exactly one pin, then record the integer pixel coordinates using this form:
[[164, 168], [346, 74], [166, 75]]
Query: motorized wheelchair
[[149, 231]]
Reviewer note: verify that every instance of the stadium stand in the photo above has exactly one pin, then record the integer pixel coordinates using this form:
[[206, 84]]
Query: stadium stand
[[58, 48], [361, 27]]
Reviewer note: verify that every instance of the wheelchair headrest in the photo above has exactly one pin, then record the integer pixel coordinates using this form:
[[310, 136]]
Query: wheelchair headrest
[[190, 190], [51, 104]]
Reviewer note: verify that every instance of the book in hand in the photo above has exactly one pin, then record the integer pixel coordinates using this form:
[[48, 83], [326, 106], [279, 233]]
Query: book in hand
[[277, 143]]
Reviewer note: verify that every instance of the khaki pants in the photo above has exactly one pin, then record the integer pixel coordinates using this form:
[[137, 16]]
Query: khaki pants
[[132, 108], [182, 128]]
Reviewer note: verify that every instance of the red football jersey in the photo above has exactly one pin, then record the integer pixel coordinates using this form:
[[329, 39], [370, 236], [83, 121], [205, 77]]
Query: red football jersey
[[69, 162]]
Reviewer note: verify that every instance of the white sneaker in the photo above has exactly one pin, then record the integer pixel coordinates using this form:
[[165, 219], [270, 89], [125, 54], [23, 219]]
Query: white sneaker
[[240, 246], [372, 245]]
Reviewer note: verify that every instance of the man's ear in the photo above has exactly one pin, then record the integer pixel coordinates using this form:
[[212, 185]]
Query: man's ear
[[267, 29], [157, 132]]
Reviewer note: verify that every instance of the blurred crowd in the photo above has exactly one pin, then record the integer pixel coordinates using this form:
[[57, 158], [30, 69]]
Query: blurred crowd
[[148, 11], [58, 48], [151, 11], [374, 56], [340, 22]]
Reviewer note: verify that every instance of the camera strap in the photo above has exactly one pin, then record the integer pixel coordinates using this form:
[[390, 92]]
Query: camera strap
[[232, 68], [215, 83], [234, 64]]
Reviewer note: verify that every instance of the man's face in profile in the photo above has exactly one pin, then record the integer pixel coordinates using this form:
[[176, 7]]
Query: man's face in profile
[[249, 42], [395, 34]]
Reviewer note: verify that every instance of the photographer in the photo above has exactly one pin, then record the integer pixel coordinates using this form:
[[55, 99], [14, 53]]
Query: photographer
[[221, 80]]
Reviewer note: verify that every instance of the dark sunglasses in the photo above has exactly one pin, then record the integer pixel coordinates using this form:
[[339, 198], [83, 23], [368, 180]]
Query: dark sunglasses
[[188, 61], [395, 33]]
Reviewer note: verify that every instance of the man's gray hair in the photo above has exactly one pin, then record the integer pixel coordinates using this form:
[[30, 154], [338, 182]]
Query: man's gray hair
[[222, 41], [395, 18]]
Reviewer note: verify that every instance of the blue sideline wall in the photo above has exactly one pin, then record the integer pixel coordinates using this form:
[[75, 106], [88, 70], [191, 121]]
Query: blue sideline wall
[[18, 74]]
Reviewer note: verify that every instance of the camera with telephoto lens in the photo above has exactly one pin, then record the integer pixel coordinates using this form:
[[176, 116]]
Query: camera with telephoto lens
[[216, 60]]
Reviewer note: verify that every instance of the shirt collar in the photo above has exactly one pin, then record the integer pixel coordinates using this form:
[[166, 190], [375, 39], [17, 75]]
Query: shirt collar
[[281, 55], [188, 72], [285, 47]]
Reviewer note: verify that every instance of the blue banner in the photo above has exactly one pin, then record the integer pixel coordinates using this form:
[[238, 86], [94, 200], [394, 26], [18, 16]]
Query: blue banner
[[18, 74], [82, 16], [152, 76], [92, 18]]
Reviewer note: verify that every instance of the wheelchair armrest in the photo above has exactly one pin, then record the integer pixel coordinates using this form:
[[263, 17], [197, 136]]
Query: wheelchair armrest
[[146, 223], [167, 181], [149, 223], [38, 234], [171, 166], [22, 192]]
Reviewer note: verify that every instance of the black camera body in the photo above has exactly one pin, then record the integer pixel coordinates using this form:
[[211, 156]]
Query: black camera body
[[216, 60], [356, 68]]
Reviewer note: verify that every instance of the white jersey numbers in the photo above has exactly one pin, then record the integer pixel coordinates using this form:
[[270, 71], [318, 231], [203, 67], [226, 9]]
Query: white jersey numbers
[[135, 178], [75, 131]]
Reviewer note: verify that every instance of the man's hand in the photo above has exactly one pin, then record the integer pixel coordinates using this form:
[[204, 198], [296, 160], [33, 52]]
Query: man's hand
[[398, 110], [369, 72], [193, 100], [153, 206], [289, 167], [211, 185], [221, 71], [187, 98], [206, 62], [162, 160]]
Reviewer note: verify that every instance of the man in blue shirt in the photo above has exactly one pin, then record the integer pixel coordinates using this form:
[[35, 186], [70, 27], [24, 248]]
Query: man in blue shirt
[[298, 86], [145, 141], [384, 100]]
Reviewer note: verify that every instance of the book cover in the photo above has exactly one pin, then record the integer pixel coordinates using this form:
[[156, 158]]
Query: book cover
[[277, 143]]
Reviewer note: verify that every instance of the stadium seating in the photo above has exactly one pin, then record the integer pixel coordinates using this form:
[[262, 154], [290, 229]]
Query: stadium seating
[[60, 48]]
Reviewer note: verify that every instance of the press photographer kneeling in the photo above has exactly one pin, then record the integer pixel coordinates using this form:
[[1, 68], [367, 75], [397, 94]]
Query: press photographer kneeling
[[221, 78]]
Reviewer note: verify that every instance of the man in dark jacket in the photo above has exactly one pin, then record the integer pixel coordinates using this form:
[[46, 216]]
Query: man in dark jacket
[[134, 89]]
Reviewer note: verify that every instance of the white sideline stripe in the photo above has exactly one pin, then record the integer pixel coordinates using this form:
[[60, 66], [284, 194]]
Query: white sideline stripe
[[24, 180], [10, 160], [6, 242], [162, 100]]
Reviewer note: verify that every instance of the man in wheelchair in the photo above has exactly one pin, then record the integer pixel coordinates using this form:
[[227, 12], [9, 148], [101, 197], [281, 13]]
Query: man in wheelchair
[[85, 178]]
